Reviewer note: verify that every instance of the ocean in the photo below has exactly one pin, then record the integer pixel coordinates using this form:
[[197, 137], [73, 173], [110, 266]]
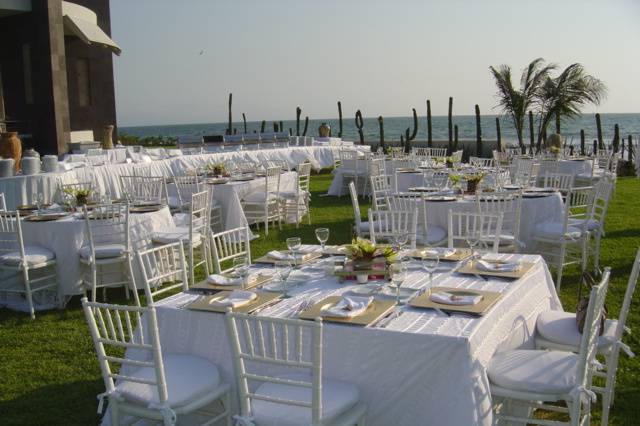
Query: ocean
[[395, 126]]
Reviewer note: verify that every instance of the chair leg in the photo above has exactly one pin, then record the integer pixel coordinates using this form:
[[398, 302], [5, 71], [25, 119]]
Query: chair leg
[[596, 255], [115, 413], [560, 266], [27, 287]]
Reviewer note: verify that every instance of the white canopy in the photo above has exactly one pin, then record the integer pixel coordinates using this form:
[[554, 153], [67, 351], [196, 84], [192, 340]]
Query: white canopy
[[83, 23]]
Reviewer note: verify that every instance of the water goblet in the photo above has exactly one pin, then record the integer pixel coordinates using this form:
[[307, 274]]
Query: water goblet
[[473, 239], [401, 239], [283, 269], [322, 234], [294, 244], [241, 267], [430, 264], [398, 274]]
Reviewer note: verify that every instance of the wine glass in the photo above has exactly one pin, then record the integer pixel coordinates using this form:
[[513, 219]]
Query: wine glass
[[398, 274], [283, 269], [241, 267], [294, 244], [322, 234], [430, 264], [472, 238], [401, 239]]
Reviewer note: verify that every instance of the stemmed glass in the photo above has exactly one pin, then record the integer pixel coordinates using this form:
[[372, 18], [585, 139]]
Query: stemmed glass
[[294, 244], [430, 264], [401, 239], [398, 275], [39, 201], [322, 234], [283, 269], [241, 267], [473, 239]]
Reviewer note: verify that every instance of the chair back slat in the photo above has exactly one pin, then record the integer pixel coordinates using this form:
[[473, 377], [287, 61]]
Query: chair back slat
[[143, 188], [387, 225], [487, 228], [163, 269], [380, 191], [508, 203], [229, 245]]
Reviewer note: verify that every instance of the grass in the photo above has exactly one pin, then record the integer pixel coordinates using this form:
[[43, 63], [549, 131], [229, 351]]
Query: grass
[[49, 373]]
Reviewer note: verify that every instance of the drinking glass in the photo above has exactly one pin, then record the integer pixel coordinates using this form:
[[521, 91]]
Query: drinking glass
[[430, 264], [398, 274], [322, 234], [283, 269], [294, 244], [401, 239], [473, 238], [241, 267]]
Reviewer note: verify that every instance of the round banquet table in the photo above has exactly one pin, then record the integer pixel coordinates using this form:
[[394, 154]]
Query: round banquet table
[[66, 236], [534, 211], [406, 180], [575, 167]]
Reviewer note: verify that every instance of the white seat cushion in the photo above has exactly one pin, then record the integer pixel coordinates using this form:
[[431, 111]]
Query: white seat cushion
[[175, 235], [259, 197], [547, 372], [103, 251], [435, 234], [188, 378], [337, 398], [291, 195], [34, 255], [592, 224], [181, 220], [553, 230], [561, 327]]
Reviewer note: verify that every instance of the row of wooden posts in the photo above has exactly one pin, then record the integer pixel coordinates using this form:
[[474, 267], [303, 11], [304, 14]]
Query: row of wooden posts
[[617, 144]]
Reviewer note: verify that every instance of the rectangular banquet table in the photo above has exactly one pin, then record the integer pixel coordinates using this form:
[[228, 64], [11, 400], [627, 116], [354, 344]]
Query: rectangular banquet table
[[423, 368]]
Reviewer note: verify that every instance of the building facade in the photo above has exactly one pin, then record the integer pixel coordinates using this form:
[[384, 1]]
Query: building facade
[[56, 70]]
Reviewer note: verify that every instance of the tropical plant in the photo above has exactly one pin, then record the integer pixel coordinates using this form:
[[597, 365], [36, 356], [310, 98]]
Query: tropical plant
[[566, 94], [515, 102]]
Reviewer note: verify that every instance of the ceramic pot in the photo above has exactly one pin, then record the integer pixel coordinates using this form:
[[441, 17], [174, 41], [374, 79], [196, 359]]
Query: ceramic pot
[[50, 163], [11, 147], [30, 165], [7, 167], [32, 153], [324, 130], [362, 278], [107, 137]]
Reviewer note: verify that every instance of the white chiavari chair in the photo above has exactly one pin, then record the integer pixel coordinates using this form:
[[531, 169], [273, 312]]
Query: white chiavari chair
[[562, 182], [185, 187], [295, 204], [387, 225], [539, 377], [556, 330], [264, 205], [21, 264], [396, 152], [188, 185], [522, 171], [435, 179], [229, 245], [299, 395], [153, 385], [551, 166], [486, 228], [562, 243], [483, 163], [510, 205], [106, 253], [353, 170], [376, 166], [380, 191], [456, 157], [429, 235], [163, 269], [143, 189], [284, 166], [193, 236], [436, 152], [360, 227]]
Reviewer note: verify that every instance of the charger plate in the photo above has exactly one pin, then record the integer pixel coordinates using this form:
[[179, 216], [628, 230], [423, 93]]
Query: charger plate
[[146, 209], [440, 198], [217, 181], [489, 298], [46, 217], [460, 254], [263, 299], [243, 179], [377, 310], [257, 281], [306, 258], [471, 269]]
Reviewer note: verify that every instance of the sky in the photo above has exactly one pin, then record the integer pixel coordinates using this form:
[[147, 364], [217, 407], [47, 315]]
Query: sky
[[180, 59]]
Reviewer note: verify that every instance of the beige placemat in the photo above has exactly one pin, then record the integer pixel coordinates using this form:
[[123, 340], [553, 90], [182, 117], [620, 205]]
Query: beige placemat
[[255, 281], [377, 310], [263, 299], [306, 258], [471, 268], [460, 254], [489, 298]]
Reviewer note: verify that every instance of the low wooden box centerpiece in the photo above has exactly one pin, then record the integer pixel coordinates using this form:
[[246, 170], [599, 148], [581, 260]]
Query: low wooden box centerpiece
[[366, 260]]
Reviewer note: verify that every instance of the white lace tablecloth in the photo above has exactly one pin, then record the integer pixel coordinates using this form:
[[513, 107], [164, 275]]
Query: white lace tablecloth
[[422, 368], [65, 237], [23, 189]]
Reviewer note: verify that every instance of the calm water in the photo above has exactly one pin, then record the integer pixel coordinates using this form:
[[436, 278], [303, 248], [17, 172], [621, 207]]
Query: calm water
[[395, 126]]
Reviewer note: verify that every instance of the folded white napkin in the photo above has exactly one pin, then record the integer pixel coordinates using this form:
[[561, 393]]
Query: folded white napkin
[[455, 299], [278, 255], [219, 279], [497, 266], [439, 251], [236, 298], [348, 307], [181, 219]]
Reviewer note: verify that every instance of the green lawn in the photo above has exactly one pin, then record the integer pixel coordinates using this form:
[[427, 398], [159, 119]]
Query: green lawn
[[49, 373]]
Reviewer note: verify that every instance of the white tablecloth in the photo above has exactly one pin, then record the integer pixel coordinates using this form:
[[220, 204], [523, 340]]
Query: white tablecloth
[[22, 189], [65, 237], [423, 368]]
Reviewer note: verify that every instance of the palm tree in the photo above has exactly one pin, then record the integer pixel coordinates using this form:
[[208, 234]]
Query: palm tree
[[515, 102], [566, 94]]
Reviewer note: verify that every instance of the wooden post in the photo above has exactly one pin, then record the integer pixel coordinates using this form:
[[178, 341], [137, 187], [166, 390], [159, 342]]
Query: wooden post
[[455, 143], [450, 122], [582, 143], [429, 135], [298, 113], [262, 126], [630, 145], [616, 137], [478, 133], [244, 121], [531, 134], [599, 129], [230, 117], [499, 136], [381, 124], [339, 119]]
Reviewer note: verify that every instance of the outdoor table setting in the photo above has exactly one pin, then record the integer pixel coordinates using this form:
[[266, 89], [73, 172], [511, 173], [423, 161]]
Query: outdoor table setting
[[420, 309]]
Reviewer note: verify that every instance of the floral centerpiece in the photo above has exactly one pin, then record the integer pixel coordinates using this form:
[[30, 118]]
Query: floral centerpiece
[[369, 258], [79, 195], [555, 150], [473, 181], [449, 162], [216, 169]]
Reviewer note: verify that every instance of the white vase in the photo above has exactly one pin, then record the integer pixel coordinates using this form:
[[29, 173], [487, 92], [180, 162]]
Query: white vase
[[362, 278]]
